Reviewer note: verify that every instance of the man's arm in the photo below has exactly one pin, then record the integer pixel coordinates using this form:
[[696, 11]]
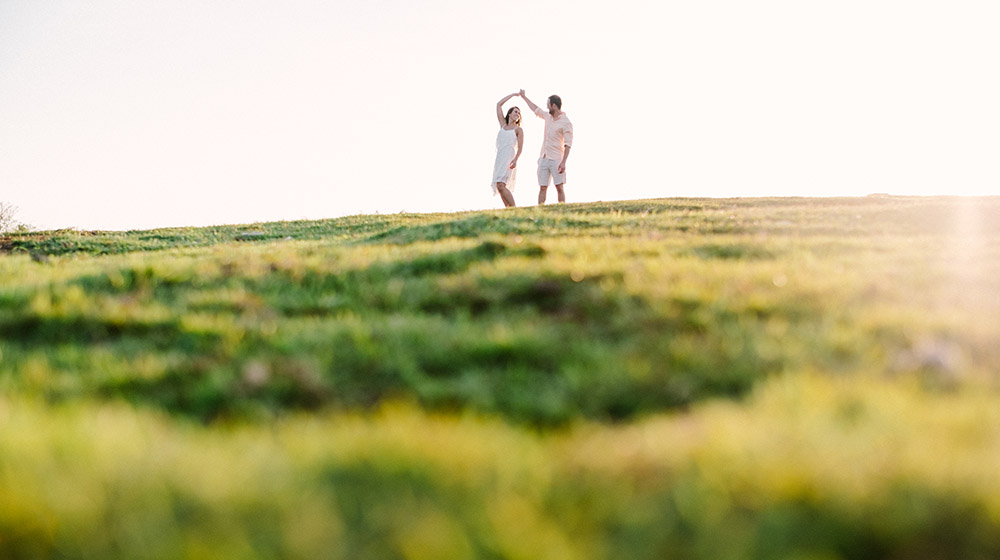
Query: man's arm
[[567, 144], [534, 108], [562, 164]]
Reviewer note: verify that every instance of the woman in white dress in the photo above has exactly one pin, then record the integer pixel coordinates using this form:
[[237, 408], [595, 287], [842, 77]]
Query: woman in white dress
[[510, 139]]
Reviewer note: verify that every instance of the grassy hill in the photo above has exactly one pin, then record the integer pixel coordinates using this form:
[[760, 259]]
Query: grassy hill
[[683, 378]]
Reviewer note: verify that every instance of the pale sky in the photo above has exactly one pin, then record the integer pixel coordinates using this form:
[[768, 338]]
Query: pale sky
[[119, 114]]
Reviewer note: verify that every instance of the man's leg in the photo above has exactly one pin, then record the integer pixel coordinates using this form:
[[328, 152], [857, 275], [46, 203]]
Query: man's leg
[[505, 195], [561, 193], [544, 178]]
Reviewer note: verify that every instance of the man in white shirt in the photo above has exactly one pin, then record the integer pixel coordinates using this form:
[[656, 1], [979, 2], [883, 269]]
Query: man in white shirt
[[555, 146]]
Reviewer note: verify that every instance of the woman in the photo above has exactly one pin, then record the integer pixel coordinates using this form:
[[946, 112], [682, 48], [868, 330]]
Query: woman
[[504, 169]]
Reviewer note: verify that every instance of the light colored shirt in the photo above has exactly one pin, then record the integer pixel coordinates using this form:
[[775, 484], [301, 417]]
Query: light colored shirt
[[558, 133]]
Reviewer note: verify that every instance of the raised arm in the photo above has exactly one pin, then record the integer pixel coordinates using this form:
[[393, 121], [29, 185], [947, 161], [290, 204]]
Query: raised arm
[[532, 106], [500, 107]]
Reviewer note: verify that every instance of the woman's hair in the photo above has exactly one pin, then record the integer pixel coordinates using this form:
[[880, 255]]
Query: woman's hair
[[506, 119]]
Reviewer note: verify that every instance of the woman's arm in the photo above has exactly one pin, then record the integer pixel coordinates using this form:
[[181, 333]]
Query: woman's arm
[[500, 107], [520, 142]]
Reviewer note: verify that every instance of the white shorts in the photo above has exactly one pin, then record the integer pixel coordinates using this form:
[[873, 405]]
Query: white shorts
[[549, 168]]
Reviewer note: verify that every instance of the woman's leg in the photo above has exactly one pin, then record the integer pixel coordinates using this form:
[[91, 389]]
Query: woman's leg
[[505, 195]]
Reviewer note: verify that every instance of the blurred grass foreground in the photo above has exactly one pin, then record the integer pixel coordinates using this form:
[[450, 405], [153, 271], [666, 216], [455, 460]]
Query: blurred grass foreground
[[676, 378]]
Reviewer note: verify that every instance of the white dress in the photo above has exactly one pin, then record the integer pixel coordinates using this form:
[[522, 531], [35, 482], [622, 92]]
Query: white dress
[[506, 148]]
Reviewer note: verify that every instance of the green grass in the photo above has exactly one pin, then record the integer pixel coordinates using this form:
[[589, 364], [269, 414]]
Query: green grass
[[689, 378]]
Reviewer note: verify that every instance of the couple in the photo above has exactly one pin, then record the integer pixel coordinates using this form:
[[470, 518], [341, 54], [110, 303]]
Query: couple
[[555, 148]]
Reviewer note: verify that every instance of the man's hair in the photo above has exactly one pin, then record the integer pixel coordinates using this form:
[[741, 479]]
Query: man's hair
[[555, 100]]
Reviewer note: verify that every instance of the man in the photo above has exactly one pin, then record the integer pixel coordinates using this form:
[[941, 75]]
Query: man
[[555, 146]]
